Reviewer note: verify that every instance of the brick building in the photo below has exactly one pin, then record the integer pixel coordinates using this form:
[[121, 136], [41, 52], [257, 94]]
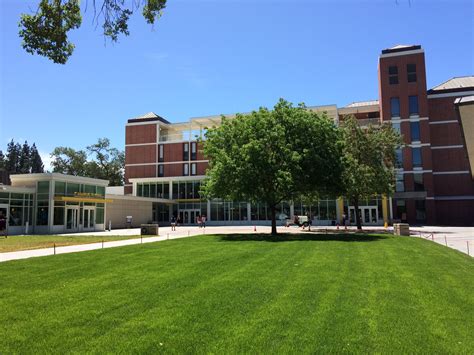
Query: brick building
[[434, 177]]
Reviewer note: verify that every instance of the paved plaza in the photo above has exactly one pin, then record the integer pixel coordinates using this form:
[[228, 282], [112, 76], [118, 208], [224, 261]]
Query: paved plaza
[[459, 238]]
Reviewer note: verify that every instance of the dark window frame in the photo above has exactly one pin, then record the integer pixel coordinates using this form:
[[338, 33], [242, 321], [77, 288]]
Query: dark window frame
[[415, 133], [411, 73], [415, 154], [186, 167], [161, 170], [185, 151], [412, 102], [393, 75], [193, 150], [161, 153], [392, 100]]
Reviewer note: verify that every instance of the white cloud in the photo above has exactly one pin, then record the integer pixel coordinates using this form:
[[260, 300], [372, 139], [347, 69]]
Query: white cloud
[[46, 158]]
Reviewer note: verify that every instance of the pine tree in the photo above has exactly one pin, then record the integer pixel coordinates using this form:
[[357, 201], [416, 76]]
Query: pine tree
[[13, 156], [36, 162], [24, 161], [2, 160]]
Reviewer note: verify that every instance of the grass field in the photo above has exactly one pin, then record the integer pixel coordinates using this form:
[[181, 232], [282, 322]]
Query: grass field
[[238, 293], [20, 242]]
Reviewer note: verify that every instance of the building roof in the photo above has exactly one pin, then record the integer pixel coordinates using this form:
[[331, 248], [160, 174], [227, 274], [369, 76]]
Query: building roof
[[363, 103], [464, 100], [150, 116], [401, 48], [454, 84]]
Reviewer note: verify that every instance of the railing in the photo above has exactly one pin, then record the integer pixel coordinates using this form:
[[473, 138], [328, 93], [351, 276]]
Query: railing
[[369, 121]]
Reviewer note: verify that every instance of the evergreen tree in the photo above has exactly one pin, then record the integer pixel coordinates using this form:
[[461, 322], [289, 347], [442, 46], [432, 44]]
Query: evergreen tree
[[24, 161], [13, 156], [2, 160], [36, 162]]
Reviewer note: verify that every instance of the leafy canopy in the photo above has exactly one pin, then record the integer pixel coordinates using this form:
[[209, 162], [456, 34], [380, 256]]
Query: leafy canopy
[[368, 159], [273, 155], [107, 163], [46, 32]]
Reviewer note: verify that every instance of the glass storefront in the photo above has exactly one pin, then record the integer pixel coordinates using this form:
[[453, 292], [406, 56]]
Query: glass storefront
[[17, 207]]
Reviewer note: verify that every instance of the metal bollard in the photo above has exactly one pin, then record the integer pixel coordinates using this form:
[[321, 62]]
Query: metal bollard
[[445, 240], [467, 243], [54, 246]]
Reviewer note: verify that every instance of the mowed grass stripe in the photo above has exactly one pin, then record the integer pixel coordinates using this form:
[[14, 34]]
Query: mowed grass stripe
[[231, 294]]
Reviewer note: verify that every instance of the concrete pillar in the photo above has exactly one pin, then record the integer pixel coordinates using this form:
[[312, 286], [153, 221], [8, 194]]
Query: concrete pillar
[[249, 212]]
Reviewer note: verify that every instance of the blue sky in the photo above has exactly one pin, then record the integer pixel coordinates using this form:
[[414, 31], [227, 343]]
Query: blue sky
[[212, 57]]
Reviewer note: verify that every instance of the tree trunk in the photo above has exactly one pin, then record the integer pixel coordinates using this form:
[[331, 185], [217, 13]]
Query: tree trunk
[[274, 226], [358, 216]]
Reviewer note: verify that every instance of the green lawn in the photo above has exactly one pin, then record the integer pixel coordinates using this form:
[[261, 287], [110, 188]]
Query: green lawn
[[233, 294], [20, 242]]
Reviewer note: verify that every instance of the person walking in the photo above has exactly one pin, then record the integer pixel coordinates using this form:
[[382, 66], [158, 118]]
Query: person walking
[[199, 221], [173, 223], [203, 221]]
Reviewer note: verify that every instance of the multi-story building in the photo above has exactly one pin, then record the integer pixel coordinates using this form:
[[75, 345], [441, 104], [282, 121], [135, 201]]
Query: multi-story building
[[434, 178]]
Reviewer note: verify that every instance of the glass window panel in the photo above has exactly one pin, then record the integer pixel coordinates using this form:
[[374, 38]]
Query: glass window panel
[[400, 183], [101, 190], [59, 188], [72, 189], [175, 190], [90, 189], [415, 131], [58, 216], [16, 216], [139, 189], [413, 105], [399, 158], [166, 190], [153, 190], [396, 127], [42, 216], [43, 187], [332, 209], [395, 106], [146, 190], [99, 219], [418, 180], [416, 157]]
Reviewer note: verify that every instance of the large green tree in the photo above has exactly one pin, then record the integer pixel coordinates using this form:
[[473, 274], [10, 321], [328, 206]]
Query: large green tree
[[45, 32], [99, 161], [273, 155], [369, 161]]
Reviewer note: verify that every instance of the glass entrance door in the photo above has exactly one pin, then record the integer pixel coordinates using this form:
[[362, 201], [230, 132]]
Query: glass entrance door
[[72, 218], [3, 218], [88, 218], [188, 216], [369, 215]]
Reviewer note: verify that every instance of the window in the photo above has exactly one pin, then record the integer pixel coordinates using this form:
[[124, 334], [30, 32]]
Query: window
[[193, 150], [193, 168], [415, 131], [413, 105], [416, 157], [396, 127], [399, 158], [393, 75], [411, 73], [420, 210], [418, 179], [185, 151], [395, 106], [186, 169], [400, 183], [161, 155], [161, 170], [401, 210]]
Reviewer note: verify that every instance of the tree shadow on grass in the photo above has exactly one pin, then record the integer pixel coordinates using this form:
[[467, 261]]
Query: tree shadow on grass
[[293, 237]]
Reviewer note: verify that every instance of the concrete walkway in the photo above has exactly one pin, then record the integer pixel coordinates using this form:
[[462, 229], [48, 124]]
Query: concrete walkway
[[459, 238]]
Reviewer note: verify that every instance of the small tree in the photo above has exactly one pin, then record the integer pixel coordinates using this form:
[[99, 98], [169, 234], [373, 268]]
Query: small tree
[[369, 161], [273, 156]]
